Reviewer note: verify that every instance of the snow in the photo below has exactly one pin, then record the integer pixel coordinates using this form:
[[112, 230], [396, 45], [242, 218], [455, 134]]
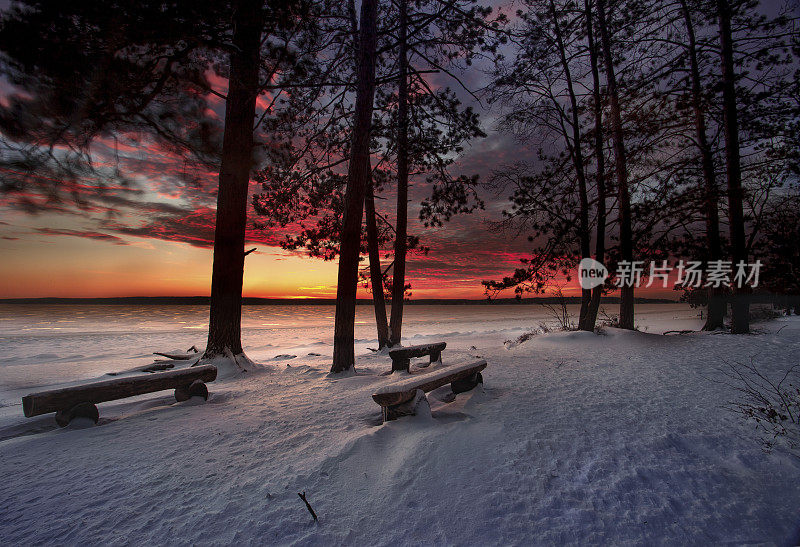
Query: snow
[[617, 438]]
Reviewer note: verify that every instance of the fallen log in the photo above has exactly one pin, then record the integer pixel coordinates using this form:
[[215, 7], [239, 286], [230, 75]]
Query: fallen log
[[155, 366], [176, 356]]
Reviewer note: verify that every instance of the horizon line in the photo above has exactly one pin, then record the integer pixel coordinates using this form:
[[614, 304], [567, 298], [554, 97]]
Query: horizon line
[[258, 300]]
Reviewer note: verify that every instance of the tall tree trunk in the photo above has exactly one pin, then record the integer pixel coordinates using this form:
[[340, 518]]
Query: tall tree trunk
[[600, 242], [576, 153], [225, 322], [626, 310], [375, 271], [716, 303], [740, 320], [357, 178], [400, 242]]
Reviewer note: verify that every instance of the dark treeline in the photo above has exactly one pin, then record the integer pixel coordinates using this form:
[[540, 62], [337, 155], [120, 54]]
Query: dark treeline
[[411, 133], [664, 130]]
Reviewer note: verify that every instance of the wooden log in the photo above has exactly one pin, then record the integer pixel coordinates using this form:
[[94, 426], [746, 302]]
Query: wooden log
[[418, 351], [195, 389], [81, 410], [466, 384], [182, 394], [409, 408], [198, 388], [177, 356], [403, 391], [401, 357], [109, 390], [158, 367], [153, 367]]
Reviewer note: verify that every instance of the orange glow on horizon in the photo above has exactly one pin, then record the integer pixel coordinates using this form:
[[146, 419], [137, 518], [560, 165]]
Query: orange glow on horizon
[[61, 266]]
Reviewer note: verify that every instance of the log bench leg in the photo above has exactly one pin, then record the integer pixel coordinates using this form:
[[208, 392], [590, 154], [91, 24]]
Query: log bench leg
[[401, 365], [409, 408], [81, 410], [466, 384], [436, 357], [195, 389]]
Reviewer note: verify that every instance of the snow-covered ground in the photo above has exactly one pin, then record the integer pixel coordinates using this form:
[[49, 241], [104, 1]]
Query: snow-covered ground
[[574, 438]]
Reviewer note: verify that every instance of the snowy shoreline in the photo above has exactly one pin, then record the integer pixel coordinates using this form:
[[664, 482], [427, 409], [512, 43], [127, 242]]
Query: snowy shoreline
[[575, 438]]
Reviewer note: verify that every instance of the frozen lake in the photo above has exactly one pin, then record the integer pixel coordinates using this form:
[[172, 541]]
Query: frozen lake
[[47, 345]]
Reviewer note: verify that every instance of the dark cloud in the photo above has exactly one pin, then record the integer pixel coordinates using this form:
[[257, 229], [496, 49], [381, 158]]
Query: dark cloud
[[195, 227], [192, 226], [82, 233]]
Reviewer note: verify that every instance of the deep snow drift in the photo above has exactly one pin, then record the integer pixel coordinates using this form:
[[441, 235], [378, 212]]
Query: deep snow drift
[[574, 438]]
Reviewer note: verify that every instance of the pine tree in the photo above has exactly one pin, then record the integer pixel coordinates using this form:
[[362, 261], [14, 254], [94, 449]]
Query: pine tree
[[107, 69]]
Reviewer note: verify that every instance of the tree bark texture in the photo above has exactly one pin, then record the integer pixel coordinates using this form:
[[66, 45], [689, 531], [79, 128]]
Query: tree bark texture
[[600, 241], [224, 328], [375, 271], [576, 153], [401, 243], [740, 316], [357, 178], [626, 307], [716, 302]]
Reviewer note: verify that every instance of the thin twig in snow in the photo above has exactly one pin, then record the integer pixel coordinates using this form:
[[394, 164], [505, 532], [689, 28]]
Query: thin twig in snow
[[310, 510]]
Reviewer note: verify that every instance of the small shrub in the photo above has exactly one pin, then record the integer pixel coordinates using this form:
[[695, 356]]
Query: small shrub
[[522, 338], [772, 403], [559, 312], [608, 320]]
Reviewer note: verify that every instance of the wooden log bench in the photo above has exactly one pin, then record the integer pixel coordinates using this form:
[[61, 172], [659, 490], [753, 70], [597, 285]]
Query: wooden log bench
[[401, 357], [80, 401], [402, 398]]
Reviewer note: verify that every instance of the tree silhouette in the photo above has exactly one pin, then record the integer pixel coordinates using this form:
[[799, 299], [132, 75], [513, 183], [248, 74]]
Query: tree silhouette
[[108, 69]]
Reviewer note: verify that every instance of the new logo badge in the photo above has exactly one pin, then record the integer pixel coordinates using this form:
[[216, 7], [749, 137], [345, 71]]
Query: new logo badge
[[591, 273]]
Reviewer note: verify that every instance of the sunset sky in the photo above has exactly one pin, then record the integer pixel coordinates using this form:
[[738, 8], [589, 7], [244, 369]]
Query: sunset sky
[[154, 237], [156, 240], [150, 241]]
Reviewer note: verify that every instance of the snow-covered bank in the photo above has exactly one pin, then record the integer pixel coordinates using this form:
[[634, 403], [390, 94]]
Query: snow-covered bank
[[575, 438]]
